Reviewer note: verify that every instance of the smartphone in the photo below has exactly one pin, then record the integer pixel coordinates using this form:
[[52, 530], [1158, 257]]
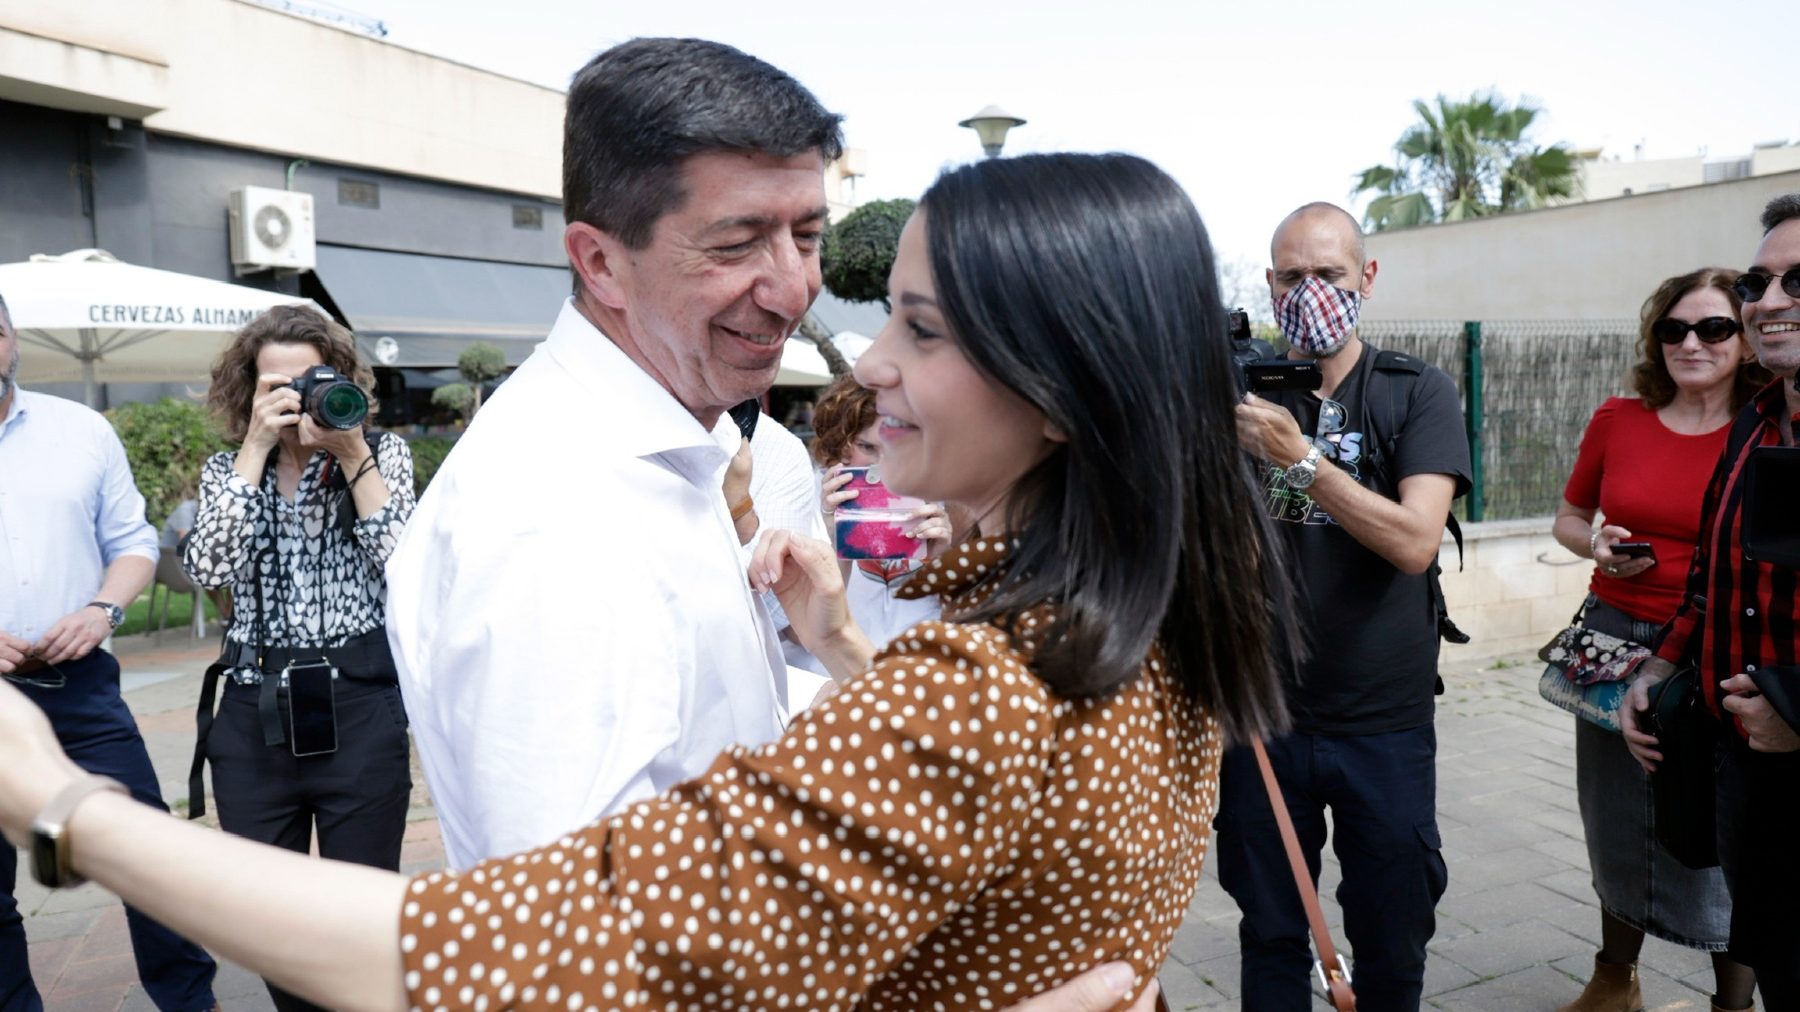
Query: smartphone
[[874, 524], [312, 707], [871, 494], [876, 537], [1771, 484], [1634, 549]]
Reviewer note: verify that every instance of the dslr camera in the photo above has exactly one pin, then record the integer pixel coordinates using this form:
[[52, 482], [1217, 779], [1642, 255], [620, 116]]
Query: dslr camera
[[1258, 370], [332, 400]]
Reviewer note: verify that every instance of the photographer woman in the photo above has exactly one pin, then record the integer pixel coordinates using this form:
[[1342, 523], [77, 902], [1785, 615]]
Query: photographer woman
[[1644, 462], [298, 524], [999, 801]]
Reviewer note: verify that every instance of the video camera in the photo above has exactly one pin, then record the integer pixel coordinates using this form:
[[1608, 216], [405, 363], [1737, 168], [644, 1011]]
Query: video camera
[[1258, 370]]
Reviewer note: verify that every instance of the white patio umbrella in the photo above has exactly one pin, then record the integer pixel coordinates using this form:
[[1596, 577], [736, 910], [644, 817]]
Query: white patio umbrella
[[803, 366], [95, 319]]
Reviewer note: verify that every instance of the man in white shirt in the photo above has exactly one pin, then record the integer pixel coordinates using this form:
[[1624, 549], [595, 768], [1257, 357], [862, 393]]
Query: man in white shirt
[[568, 609], [74, 549]]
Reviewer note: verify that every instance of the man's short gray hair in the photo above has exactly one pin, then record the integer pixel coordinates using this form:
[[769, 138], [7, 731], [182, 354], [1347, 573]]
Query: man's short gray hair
[[1779, 210]]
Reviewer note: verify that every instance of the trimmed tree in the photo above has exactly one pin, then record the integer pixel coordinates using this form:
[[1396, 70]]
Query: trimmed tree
[[858, 252], [480, 363]]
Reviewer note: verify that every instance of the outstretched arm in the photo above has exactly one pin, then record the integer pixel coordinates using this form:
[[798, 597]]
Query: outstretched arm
[[327, 931]]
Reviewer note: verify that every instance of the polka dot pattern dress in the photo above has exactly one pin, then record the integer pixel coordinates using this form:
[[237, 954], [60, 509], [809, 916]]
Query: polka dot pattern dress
[[944, 833]]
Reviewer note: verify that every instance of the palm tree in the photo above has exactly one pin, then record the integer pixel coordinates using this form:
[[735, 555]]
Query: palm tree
[[1466, 160]]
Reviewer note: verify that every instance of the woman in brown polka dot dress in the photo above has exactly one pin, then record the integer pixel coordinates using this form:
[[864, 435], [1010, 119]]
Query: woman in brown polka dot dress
[[1005, 797]]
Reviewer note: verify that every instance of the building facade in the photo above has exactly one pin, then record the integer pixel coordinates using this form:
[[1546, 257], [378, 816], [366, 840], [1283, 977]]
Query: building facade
[[435, 216]]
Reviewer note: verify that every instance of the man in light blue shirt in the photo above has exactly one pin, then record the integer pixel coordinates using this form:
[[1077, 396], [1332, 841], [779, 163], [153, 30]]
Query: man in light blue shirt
[[74, 549]]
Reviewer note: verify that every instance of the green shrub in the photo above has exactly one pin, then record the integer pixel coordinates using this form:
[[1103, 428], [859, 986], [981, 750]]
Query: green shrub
[[457, 397], [166, 443], [858, 252], [428, 453]]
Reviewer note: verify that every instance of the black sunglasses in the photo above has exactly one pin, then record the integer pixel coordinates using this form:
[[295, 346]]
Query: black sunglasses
[[1712, 330], [1750, 287]]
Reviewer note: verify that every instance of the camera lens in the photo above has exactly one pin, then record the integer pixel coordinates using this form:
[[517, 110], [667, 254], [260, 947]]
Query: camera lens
[[341, 405]]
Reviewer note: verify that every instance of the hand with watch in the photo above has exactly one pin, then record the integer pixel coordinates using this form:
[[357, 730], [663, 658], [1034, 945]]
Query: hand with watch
[[1267, 430], [76, 634]]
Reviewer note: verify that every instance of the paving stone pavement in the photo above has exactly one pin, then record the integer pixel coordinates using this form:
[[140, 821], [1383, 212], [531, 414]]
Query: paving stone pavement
[[1517, 927]]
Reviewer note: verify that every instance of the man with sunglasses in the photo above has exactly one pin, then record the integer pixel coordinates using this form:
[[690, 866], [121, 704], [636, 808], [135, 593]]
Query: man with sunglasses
[[74, 548], [1739, 623], [1361, 475]]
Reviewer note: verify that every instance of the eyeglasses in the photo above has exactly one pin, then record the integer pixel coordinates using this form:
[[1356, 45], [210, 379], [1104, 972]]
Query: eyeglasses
[[1750, 287], [56, 680], [1712, 330]]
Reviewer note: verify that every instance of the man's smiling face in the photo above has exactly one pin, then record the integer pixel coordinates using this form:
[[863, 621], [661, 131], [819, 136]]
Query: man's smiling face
[[1772, 323]]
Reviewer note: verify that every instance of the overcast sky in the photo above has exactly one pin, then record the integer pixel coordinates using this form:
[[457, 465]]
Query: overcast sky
[[1255, 108]]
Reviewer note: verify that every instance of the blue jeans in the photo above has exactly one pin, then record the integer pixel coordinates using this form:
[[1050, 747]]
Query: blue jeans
[[98, 732], [1382, 792]]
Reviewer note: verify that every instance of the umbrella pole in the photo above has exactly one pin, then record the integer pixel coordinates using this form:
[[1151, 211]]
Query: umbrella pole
[[88, 354]]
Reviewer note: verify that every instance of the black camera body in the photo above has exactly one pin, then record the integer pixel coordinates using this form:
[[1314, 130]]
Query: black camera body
[[1259, 371], [331, 399]]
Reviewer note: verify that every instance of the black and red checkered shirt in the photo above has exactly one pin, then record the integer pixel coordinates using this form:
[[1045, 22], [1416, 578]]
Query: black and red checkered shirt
[[1737, 615]]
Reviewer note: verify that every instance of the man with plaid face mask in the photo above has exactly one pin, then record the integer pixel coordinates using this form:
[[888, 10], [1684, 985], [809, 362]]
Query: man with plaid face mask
[[1362, 472]]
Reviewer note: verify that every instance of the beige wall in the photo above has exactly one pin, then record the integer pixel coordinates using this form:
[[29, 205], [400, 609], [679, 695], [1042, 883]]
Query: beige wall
[[243, 75], [1602, 179], [1516, 589], [1594, 260], [1782, 159]]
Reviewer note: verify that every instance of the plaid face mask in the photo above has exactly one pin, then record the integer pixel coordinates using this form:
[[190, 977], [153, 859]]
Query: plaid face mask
[[1317, 317]]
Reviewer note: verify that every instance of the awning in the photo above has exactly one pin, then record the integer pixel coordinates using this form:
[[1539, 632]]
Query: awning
[[418, 311], [838, 316]]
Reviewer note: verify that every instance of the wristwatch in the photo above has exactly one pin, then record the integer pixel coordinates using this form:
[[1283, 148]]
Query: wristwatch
[[114, 613], [1301, 474], [51, 861]]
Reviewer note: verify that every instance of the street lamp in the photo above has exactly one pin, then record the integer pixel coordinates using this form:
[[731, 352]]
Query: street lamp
[[991, 125]]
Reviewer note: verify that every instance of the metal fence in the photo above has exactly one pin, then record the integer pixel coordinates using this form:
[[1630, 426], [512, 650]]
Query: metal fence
[[1528, 388]]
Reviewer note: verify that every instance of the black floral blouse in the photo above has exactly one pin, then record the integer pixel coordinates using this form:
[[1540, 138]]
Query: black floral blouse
[[329, 588]]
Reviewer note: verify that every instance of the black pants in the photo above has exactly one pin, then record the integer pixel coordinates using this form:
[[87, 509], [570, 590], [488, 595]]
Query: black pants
[[1382, 792], [1759, 840], [98, 732], [357, 797]]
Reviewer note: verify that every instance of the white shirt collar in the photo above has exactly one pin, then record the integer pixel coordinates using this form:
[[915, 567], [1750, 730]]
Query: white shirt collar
[[658, 423]]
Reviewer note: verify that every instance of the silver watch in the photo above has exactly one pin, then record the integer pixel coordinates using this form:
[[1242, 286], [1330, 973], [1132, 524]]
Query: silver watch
[[114, 613], [1300, 475]]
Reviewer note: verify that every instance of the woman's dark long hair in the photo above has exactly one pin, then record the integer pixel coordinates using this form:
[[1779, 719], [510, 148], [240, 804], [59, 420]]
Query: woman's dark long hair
[[1086, 285]]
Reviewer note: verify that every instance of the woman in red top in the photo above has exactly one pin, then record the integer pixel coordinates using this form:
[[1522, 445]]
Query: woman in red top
[[1643, 465]]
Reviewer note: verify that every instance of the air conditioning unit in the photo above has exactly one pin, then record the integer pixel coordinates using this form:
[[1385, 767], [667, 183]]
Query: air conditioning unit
[[271, 230]]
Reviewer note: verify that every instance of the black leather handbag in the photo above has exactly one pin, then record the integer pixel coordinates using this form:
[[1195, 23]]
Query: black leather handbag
[[1682, 786]]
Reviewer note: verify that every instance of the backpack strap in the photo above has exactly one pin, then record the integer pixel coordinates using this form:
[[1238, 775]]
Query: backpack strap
[[1398, 373]]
